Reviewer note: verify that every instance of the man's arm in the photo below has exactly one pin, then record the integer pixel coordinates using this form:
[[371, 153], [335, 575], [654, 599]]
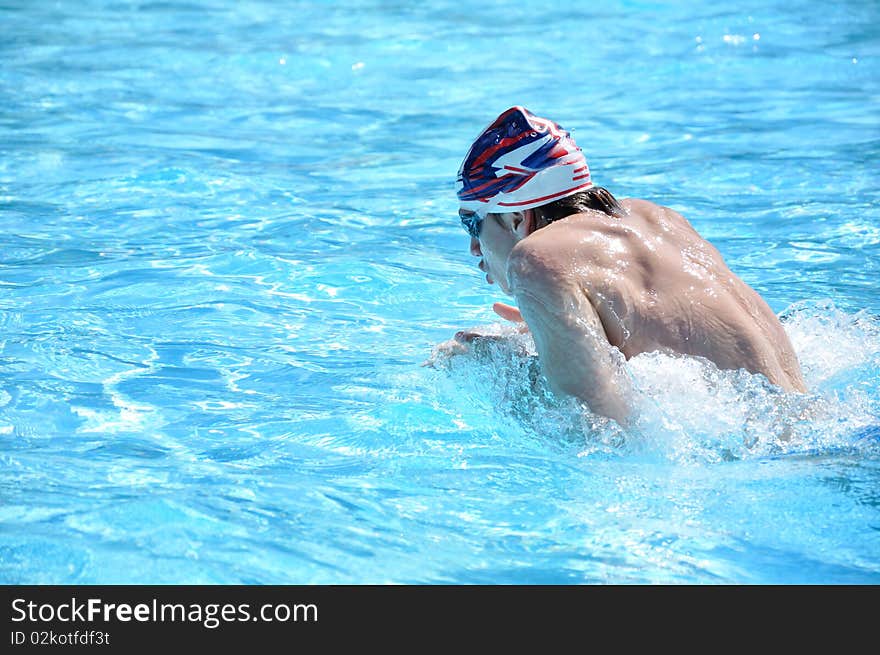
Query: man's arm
[[574, 351]]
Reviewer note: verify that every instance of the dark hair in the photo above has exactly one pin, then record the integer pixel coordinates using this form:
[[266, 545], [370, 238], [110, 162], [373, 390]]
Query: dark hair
[[596, 197]]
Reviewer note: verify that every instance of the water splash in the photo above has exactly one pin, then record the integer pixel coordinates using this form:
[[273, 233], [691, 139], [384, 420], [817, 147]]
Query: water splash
[[687, 410]]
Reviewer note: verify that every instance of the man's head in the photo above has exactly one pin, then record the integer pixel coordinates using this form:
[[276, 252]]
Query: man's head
[[518, 163]]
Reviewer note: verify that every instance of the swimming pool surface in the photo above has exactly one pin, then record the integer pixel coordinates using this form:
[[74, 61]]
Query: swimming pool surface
[[228, 240]]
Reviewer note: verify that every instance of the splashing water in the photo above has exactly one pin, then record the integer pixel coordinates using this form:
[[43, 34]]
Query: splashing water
[[689, 410]]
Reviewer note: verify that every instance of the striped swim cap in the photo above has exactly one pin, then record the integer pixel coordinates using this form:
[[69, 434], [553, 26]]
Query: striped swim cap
[[520, 161]]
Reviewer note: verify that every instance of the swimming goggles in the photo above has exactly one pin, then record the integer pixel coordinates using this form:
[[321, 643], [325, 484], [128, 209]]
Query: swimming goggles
[[471, 221]]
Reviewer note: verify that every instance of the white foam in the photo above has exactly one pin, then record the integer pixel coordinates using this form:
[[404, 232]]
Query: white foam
[[686, 408]]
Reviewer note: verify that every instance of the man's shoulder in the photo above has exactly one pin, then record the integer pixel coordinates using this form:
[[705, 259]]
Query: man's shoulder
[[642, 206], [555, 254], [656, 216]]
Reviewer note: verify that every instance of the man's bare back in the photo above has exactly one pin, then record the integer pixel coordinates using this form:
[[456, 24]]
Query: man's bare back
[[653, 284]]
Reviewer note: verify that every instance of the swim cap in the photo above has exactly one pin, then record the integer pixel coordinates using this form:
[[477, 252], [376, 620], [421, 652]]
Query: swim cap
[[521, 161]]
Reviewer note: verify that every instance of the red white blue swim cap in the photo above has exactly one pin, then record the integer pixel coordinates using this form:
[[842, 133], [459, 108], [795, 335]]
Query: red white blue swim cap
[[521, 161]]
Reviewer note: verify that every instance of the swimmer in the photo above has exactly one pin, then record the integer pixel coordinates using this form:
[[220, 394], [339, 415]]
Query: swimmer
[[595, 278]]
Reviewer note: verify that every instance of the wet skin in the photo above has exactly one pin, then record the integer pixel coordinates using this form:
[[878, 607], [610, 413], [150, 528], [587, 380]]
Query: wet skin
[[644, 282]]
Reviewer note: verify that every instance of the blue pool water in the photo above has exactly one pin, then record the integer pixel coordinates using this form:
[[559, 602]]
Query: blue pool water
[[228, 241]]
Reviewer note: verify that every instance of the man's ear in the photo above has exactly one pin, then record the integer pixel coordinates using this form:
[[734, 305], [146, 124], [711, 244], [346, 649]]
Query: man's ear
[[523, 222]]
